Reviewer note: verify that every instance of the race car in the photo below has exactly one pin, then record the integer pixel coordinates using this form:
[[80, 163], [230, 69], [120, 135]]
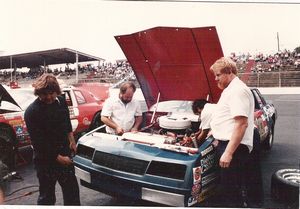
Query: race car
[[172, 68], [85, 103]]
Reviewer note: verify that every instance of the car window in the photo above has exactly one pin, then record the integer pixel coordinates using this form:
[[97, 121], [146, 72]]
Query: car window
[[79, 97], [68, 98], [258, 100]]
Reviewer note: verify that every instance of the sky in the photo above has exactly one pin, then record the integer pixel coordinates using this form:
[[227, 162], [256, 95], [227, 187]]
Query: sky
[[89, 26]]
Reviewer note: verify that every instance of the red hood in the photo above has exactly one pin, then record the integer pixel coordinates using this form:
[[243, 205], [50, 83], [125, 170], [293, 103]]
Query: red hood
[[174, 62], [5, 96]]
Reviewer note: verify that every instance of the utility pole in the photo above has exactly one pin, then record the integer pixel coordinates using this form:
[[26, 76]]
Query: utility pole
[[279, 67], [278, 42]]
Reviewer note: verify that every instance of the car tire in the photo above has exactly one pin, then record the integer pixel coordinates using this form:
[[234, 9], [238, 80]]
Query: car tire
[[268, 143], [285, 185], [96, 122], [3, 172], [7, 155]]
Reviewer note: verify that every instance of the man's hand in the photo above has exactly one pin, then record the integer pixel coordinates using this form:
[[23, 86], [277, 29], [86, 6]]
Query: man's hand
[[64, 160], [225, 160], [73, 147], [72, 142], [119, 130], [187, 142], [134, 129]]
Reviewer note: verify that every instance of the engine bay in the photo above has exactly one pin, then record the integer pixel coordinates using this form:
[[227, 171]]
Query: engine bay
[[176, 132]]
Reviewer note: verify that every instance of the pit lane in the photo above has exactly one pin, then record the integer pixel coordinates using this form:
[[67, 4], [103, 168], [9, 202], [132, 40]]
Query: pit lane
[[284, 154]]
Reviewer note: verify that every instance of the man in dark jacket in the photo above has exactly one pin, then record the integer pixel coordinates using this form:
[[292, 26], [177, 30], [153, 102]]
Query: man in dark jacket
[[48, 123]]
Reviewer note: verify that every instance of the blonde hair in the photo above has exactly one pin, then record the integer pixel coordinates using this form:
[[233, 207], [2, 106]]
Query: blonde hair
[[46, 83], [225, 65]]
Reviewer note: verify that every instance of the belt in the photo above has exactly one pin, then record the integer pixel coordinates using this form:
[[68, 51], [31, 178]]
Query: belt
[[222, 140]]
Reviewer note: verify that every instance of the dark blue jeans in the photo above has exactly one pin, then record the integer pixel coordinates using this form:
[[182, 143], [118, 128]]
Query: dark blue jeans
[[65, 176]]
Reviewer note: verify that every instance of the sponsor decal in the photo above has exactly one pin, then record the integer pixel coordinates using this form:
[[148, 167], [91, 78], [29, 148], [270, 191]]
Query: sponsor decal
[[86, 121], [15, 122], [19, 130], [192, 201], [209, 191], [209, 178], [197, 174], [207, 150], [215, 143], [196, 189], [207, 162]]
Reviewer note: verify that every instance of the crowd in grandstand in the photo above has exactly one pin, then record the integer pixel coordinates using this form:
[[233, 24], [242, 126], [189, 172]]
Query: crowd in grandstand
[[109, 70], [285, 60], [280, 61]]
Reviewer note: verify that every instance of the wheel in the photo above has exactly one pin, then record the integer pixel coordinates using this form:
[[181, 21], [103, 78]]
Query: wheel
[[3, 172], [7, 150], [285, 185], [96, 122], [268, 143]]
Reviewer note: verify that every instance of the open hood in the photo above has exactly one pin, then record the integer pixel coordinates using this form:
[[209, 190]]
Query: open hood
[[5, 96], [174, 62]]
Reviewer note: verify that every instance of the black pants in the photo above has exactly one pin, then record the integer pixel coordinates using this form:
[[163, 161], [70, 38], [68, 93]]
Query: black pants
[[233, 179], [65, 176]]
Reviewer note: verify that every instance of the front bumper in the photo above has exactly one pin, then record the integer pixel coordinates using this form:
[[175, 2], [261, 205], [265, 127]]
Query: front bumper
[[113, 185]]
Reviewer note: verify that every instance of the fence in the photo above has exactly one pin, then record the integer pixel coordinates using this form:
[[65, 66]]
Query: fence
[[272, 79], [266, 79]]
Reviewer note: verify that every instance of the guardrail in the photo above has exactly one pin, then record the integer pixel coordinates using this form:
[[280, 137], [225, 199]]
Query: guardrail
[[265, 79], [273, 79]]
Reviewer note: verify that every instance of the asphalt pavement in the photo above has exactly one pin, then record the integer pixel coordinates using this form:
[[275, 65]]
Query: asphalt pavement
[[284, 154]]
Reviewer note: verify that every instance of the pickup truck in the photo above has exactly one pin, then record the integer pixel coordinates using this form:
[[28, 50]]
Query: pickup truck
[[85, 103]]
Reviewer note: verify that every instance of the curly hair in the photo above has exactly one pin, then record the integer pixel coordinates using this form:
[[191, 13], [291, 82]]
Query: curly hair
[[46, 83]]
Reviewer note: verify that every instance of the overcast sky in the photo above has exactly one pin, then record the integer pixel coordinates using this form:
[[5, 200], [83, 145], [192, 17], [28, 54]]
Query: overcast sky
[[89, 26]]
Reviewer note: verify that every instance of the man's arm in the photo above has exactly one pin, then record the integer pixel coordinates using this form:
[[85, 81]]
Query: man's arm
[[72, 142], [109, 122], [137, 123], [202, 136], [240, 126]]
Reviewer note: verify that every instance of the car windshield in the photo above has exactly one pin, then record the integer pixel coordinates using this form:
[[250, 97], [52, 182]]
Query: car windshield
[[174, 106], [22, 96]]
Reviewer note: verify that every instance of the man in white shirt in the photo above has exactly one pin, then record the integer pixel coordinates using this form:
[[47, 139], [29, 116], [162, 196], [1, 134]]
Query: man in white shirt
[[122, 114], [205, 109], [232, 125]]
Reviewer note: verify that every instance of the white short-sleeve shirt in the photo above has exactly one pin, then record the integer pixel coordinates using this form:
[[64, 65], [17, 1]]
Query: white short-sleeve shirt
[[206, 115], [235, 100], [122, 114]]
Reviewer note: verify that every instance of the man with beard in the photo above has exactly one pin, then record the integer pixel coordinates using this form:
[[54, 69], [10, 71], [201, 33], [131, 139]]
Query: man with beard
[[122, 114]]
